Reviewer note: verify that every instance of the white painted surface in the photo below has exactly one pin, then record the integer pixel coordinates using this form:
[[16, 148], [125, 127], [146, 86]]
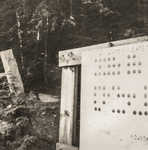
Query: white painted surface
[[68, 96], [106, 129]]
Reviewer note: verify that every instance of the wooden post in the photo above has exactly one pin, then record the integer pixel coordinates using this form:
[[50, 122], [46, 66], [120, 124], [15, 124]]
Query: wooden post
[[76, 113], [68, 98], [12, 72]]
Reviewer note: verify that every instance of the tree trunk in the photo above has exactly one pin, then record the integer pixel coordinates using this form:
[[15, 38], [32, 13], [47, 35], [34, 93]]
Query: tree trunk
[[20, 40], [45, 69]]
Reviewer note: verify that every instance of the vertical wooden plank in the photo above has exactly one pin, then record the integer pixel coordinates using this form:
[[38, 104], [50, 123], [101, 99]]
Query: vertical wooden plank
[[77, 107], [12, 72], [75, 111], [68, 96]]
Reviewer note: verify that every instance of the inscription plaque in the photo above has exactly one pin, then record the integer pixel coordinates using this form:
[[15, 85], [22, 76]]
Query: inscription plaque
[[114, 100]]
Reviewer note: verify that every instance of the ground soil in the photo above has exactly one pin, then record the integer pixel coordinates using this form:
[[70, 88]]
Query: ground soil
[[29, 124]]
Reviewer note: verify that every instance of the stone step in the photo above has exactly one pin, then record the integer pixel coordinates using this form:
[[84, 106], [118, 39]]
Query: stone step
[[48, 98]]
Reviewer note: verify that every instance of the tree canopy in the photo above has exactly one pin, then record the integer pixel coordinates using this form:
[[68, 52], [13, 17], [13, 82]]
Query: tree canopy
[[38, 29]]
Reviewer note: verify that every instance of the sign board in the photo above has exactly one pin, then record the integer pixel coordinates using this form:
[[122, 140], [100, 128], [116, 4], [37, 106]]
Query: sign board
[[11, 72], [114, 100]]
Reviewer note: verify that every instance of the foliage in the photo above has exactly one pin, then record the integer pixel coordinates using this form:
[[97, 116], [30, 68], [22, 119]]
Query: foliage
[[28, 124], [47, 26]]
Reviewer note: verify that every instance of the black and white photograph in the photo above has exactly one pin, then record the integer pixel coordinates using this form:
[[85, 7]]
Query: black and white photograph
[[73, 74]]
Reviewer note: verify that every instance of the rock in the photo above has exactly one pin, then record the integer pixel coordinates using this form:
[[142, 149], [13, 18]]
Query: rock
[[48, 98]]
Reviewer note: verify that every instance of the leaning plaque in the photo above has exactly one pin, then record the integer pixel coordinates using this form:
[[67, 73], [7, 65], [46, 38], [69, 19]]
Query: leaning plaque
[[114, 100]]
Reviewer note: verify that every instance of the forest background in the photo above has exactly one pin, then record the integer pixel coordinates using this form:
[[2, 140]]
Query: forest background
[[37, 30]]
